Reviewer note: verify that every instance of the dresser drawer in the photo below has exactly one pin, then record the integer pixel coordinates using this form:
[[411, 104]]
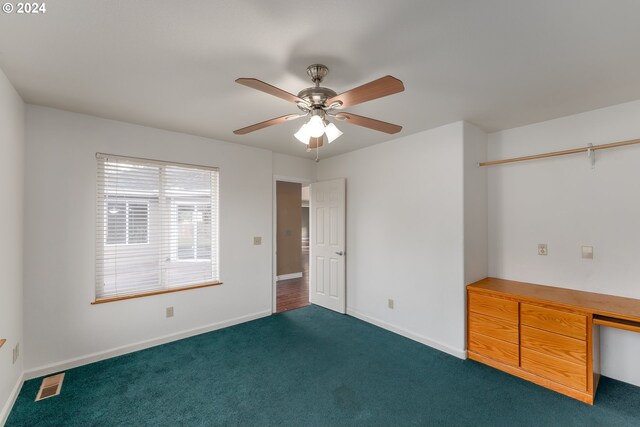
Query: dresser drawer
[[495, 307], [556, 321], [492, 326], [560, 346], [568, 373], [493, 348]]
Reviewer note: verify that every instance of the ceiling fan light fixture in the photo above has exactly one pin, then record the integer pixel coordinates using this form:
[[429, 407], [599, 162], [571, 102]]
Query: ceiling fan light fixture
[[303, 134], [315, 126], [332, 132]]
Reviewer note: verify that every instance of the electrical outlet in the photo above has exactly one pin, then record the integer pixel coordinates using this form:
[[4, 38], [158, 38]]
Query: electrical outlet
[[542, 249], [16, 353], [587, 252], [390, 303], [257, 241], [169, 311]]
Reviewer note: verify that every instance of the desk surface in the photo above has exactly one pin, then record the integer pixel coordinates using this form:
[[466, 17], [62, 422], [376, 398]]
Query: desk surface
[[598, 304]]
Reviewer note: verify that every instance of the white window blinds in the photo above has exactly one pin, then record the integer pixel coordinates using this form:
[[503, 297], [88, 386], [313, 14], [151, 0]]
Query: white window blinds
[[156, 226]]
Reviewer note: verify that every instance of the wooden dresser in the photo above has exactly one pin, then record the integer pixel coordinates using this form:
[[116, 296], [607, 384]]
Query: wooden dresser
[[544, 334]]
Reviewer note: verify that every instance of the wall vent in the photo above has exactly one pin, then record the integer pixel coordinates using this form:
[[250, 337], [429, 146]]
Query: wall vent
[[50, 387]]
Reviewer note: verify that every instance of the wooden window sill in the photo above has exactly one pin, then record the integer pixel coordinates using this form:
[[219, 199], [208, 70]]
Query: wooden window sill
[[148, 294]]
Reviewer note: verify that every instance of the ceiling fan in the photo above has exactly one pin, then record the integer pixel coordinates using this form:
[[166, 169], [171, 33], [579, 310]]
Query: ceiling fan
[[320, 104]]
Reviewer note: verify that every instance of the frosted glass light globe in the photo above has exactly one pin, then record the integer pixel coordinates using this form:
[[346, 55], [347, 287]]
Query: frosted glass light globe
[[303, 134], [316, 127]]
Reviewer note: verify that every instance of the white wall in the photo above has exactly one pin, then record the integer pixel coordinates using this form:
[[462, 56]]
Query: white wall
[[11, 251], [405, 234], [60, 323], [564, 203], [294, 167]]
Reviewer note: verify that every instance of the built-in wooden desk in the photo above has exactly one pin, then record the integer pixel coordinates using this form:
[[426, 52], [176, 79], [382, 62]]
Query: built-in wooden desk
[[544, 334]]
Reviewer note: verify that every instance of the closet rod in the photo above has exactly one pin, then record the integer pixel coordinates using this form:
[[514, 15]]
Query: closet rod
[[561, 153]]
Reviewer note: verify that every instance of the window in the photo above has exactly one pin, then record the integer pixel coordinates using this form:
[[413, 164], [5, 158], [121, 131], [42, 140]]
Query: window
[[127, 221], [194, 228], [156, 227]]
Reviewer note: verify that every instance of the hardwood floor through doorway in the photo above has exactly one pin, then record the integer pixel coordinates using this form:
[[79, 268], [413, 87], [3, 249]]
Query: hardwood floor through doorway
[[294, 293]]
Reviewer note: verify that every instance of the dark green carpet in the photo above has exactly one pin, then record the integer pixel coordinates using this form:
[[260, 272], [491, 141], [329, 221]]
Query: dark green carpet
[[310, 367]]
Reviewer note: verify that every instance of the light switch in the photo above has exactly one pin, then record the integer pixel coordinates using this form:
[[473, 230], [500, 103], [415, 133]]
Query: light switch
[[16, 353], [257, 240], [587, 252]]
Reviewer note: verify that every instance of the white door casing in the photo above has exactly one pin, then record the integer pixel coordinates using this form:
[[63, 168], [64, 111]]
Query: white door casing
[[327, 245]]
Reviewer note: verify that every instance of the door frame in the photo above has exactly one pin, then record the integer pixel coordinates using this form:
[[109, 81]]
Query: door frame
[[274, 239]]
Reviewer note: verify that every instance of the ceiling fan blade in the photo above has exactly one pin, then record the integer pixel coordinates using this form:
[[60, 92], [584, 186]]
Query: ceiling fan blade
[[315, 142], [384, 86], [267, 123], [271, 90], [369, 123]]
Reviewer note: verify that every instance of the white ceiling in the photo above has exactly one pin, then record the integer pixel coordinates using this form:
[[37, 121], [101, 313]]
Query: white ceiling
[[172, 64]]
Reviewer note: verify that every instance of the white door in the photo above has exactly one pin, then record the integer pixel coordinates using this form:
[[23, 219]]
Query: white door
[[327, 245]]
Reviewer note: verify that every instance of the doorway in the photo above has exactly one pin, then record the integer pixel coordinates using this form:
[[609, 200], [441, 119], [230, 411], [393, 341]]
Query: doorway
[[292, 246]]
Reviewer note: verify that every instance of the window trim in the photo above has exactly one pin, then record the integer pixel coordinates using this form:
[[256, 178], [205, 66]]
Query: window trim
[[160, 292]]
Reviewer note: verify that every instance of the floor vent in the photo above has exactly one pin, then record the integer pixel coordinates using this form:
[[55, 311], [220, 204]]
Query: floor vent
[[50, 387]]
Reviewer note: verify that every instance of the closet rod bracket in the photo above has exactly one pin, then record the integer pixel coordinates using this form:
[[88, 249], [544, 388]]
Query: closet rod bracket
[[591, 154]]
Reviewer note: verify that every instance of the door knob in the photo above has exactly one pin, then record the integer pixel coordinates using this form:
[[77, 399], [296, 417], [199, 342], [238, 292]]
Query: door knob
[[340, 253]]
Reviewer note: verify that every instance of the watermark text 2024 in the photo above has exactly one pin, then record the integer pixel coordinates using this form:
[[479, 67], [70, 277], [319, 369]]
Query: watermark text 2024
[[24, 8]]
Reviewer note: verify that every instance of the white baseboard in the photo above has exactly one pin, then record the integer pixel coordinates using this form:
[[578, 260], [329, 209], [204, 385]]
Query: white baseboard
[[4, 414], [130, 348], [461, 354], [289, 276]]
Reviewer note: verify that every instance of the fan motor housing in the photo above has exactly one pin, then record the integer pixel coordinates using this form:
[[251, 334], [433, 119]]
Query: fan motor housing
[[316, 96]]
